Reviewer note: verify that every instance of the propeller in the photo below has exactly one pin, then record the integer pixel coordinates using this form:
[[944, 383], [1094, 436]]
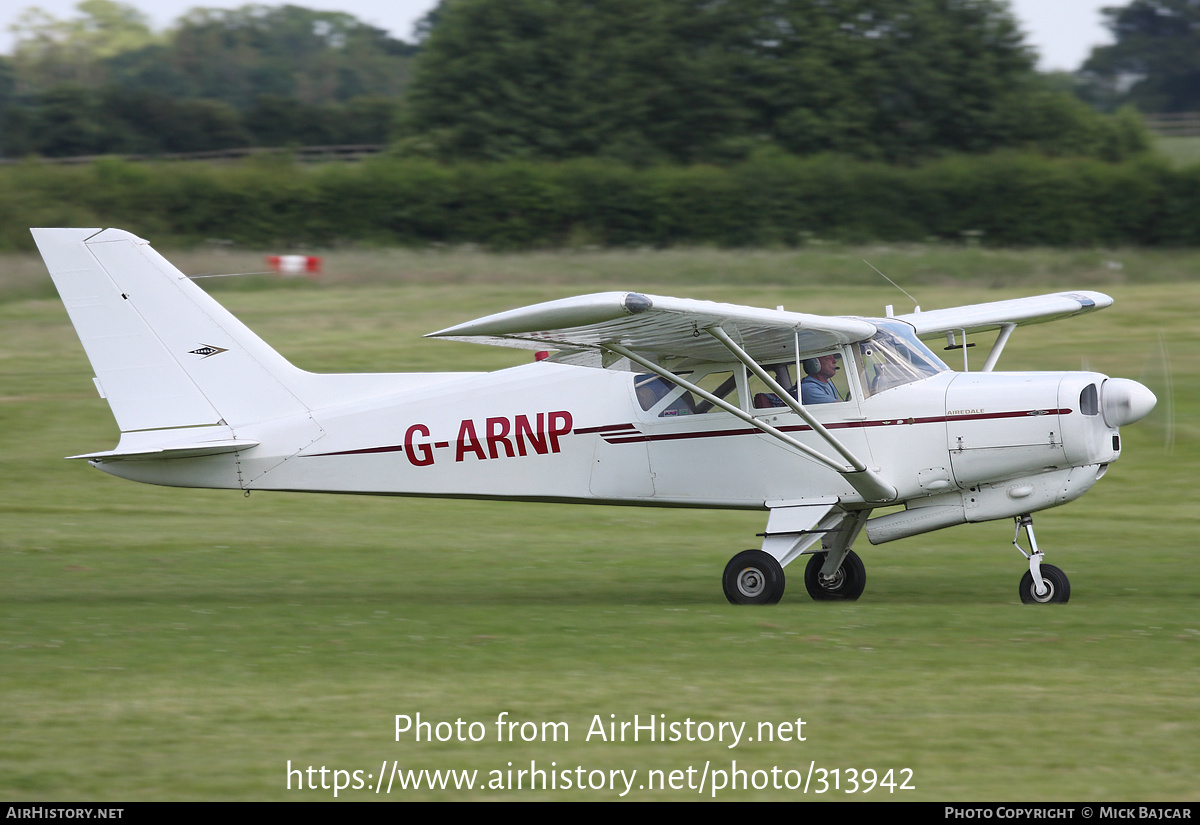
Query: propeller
[[1156, 376]]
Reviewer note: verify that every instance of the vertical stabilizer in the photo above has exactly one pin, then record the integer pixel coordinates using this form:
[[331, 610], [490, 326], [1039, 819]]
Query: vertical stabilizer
[[165, 353]]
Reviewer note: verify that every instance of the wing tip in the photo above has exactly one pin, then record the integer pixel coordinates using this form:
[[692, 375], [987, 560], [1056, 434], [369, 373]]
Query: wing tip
[[636, 303]]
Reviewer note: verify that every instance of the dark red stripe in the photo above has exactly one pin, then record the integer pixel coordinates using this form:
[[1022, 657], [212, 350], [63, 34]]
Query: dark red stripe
[[629, 434], [837, 425], [605, 428], [397, 448]]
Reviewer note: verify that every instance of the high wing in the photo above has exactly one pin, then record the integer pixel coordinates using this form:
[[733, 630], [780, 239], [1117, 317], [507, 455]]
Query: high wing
[[630, 330], [1004, 316], [999, 314], [661, 326], [658, 328]]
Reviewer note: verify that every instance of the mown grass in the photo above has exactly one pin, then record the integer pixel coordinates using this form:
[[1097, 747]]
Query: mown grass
[[1181, 151], [185, 644], [815, 265]]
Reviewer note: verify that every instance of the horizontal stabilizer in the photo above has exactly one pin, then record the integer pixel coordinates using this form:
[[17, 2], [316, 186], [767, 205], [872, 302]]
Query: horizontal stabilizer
[[190, 442], [186, 451]]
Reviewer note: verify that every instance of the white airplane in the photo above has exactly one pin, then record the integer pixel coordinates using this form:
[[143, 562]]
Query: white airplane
[[647, 400]]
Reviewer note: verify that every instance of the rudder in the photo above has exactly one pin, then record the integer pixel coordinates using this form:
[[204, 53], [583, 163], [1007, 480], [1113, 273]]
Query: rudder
[[165, 354]]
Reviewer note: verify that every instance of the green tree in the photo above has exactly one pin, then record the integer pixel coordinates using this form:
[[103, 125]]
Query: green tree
[[1038, 115], [8, 81], [279, 121], [313, 56], [1155, 62], [69, 122], [154, 123], [50, 51], [689, 80]]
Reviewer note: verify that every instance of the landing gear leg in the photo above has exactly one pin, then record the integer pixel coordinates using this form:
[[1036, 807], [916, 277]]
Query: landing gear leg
[[1044, 583], [837, 573]]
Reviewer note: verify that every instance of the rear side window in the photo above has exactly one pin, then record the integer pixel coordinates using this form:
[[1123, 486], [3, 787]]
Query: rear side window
[[666, 400]]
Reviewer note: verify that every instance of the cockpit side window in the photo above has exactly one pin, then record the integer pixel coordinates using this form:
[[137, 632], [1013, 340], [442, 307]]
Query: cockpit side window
[[819, 380]]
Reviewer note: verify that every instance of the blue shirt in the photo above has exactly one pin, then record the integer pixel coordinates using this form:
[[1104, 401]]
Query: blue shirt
[[813, 391]]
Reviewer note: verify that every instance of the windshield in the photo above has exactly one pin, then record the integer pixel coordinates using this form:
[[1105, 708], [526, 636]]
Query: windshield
[[895, 356]]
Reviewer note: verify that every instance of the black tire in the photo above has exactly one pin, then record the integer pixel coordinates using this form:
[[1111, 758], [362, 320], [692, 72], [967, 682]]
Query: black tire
[[847, 584], [1060, 588], [753, 577]]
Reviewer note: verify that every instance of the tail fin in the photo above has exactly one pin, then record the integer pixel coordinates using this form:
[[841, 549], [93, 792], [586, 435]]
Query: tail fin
[[165, 353]]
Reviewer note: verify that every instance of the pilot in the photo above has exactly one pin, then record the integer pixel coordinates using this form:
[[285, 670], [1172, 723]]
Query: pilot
[[817, 386]]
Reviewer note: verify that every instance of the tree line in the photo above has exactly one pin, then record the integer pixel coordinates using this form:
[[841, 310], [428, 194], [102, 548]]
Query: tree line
[[639, 81], [526, 123], [255, 76]]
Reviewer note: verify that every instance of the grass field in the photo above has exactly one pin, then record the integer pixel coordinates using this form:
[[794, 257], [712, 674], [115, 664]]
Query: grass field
[[187, 644], [1181, 151]]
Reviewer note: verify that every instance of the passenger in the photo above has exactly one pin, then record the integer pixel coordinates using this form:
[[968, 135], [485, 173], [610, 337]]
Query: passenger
[[817, 386], [650, 390], [783, 377]]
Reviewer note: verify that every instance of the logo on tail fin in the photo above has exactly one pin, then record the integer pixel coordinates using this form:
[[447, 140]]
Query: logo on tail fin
[[207, 350]]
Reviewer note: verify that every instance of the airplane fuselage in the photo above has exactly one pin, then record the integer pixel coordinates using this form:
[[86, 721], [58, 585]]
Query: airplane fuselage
[[548, 432]]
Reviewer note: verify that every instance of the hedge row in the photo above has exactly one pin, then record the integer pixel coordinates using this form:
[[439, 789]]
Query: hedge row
[[1004, 199]]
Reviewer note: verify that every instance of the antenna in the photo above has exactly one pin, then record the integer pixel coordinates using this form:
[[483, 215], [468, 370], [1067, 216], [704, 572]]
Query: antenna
[[893, 283]]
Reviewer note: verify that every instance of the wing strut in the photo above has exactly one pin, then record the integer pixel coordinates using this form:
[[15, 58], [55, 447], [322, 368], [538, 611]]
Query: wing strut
[[861, 478], [998, 347]]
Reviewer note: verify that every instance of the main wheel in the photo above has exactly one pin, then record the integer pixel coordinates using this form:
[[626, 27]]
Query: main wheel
[[846, 585], [1058, 588], [753, 577]]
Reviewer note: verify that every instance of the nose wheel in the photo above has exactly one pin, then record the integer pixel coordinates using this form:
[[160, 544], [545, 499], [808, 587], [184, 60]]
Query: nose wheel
[[1042, 583], [1056, 587]]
